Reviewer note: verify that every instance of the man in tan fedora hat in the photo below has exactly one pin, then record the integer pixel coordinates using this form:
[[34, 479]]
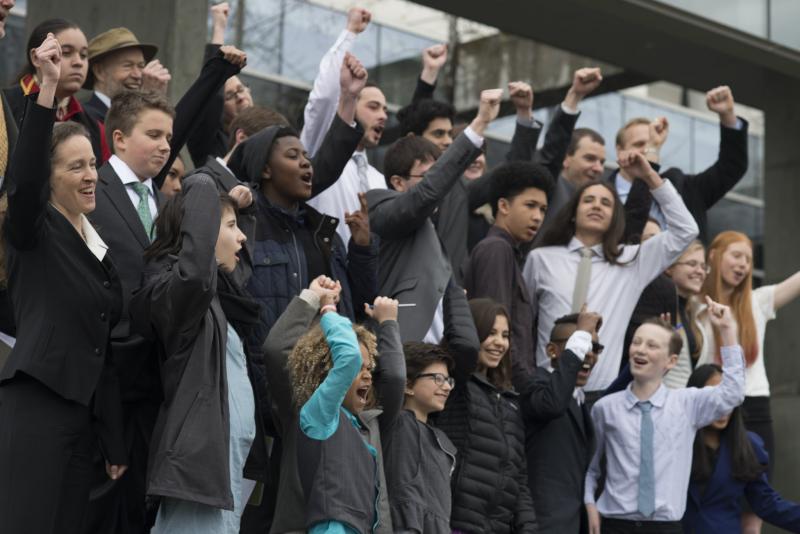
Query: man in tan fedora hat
[[119, 62]]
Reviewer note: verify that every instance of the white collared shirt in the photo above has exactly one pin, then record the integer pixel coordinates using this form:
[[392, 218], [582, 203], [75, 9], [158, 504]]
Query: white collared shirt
[[129, 177], [677, 414], [614, 289], [105, 99], [342, 196], [95, 243]]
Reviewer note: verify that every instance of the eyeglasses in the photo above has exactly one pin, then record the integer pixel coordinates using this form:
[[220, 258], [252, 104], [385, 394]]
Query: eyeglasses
[[597, 348], [694, 264], [230, 95], [439, 379]]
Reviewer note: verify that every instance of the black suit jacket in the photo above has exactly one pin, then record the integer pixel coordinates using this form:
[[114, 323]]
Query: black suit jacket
[[209, 139], [559, 446], [65, 300], [702, 190], [95, 108], [11, 129]]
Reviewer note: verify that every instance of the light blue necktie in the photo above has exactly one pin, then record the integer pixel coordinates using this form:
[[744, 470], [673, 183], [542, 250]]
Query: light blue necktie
[[361, 166], [647, 477]]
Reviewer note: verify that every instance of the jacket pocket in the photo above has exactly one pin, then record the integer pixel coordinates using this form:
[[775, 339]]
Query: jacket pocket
[[192, 429], [404, 285]]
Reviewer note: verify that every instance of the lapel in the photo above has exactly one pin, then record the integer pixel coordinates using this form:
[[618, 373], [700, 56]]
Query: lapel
[[119, 198], [11, 126], [576, 413]]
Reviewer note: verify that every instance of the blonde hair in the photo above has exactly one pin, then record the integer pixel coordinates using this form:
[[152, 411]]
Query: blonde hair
[[691, 310], [311, 360]]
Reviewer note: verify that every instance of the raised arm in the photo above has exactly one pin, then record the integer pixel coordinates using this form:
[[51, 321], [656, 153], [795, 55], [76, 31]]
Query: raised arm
[[559, 132], [177, 303], [712, 402], [527, 129], [324, 98], [731, 165], [28, 175], [787, 291], [390, 373], [433, 59], [319, 416], [189, 110], [401, 215], [292, 324], [344, 132], [549, 397], [659, 252]]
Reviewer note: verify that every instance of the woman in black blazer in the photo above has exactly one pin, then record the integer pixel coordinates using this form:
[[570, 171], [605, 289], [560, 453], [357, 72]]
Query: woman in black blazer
[[59, 395]]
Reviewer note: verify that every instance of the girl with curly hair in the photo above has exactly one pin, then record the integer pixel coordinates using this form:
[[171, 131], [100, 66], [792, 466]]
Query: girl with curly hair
[[337, 447]]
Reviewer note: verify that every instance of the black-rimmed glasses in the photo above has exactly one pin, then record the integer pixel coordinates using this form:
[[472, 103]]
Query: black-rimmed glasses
[[439, 379]]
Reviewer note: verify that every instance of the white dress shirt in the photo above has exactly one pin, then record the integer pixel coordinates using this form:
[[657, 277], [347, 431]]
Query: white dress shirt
[[342, 196], [129, 177], [614, 289], [95, 243], [105, 99], [677, 415], [324, 98]]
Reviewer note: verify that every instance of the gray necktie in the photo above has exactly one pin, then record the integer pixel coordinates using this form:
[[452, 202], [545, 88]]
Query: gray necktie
[[363, 179], [647, 478], [582, 280]]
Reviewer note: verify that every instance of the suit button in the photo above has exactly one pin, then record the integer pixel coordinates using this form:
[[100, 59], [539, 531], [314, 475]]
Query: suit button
[[325, 239], [102, 316], [106, 284], [97, 352]]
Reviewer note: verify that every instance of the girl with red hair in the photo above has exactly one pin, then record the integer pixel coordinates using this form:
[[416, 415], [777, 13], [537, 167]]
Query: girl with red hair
[[730, 282]]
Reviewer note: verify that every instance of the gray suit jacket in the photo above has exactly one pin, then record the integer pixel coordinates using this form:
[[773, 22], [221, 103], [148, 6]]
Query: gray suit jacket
[[414, 267]]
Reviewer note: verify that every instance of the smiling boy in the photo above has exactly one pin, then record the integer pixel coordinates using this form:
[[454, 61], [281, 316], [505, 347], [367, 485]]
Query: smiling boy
[[646, 432]]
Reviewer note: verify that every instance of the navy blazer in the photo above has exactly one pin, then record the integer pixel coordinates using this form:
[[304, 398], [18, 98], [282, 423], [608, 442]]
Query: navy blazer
[[718, 508]]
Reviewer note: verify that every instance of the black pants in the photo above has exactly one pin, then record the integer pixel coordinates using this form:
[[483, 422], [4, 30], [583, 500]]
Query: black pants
[[46, 445], [119, 507], [623, 526], [758, 418]]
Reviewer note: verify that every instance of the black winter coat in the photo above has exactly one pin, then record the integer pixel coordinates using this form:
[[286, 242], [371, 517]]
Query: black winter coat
[[490, 485]]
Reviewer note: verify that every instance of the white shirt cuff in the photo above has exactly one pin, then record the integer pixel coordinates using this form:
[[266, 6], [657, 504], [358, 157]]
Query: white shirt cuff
[[476, 139], [580, 342], [568, 110]]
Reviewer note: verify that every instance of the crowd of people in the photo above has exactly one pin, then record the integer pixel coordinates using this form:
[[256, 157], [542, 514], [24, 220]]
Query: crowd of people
[[285, 339]]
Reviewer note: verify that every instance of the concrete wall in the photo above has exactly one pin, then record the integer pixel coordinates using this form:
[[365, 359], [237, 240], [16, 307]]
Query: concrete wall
[[782, 258]]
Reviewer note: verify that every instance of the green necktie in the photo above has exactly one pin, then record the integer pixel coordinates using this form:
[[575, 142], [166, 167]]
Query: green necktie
[[143, 208]]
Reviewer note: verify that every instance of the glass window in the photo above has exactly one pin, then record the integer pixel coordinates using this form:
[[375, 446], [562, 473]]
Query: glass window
[[746, 15], [784, 15]]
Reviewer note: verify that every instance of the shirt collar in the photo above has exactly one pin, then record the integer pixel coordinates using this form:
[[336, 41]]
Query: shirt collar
[[224, 165], [105, 99], [93, 239], [657, 399], [495, 230], [126, 174], [622, 185], [575, 245]]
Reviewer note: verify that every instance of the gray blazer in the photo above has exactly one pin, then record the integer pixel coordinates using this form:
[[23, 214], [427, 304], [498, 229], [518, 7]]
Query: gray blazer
[[414, 267]]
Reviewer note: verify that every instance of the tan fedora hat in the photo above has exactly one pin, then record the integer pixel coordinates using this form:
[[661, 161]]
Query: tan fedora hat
[[112, 40]]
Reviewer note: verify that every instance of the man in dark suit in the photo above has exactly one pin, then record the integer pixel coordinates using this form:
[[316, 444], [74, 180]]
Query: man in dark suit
[[559, 433], [144, 141], [119, 62], [414, 265], [699, 191]]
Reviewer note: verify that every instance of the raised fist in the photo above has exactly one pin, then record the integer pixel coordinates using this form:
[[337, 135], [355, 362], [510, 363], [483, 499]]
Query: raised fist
[[659, 130], [353, 75], [521, 95], [358, 19], [155, 77], [47, 59], [434, 57]]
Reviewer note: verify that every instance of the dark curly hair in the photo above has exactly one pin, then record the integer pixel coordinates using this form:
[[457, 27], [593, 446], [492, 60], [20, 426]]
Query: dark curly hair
[[510, 179], [416, 117]]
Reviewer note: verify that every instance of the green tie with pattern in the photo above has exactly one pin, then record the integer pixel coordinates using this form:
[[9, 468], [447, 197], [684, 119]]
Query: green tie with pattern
[[143, 208]]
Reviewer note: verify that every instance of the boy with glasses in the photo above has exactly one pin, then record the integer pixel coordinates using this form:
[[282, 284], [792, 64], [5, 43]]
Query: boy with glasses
[[559, 433], [419, 458]]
